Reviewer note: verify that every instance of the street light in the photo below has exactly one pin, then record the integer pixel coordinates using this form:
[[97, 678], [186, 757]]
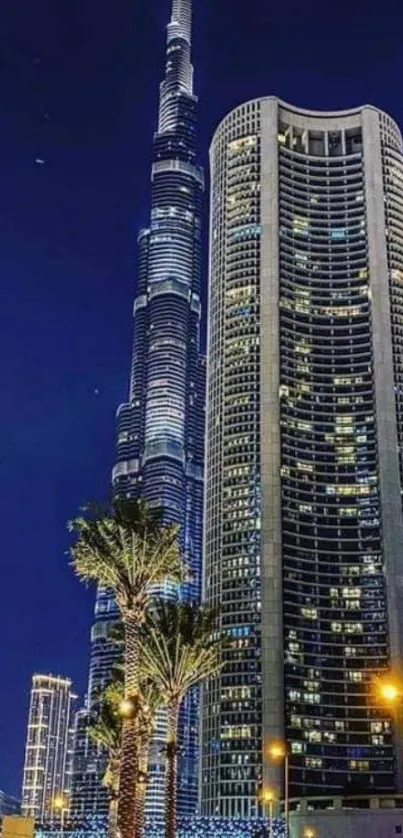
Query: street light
[[278, 751], [389, 692], [309, 832], [269, 798], [61, 805]]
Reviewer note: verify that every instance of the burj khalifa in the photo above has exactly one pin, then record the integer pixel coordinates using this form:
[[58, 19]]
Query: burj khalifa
[[160, 428]]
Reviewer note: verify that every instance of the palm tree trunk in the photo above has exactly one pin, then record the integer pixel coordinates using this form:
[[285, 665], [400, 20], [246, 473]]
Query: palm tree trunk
[[130, 757], [172, 770], [113, 797], [141, 789], [113, 816]]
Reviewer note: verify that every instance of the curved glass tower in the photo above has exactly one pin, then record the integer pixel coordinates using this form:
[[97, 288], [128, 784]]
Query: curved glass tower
[[303, 518], [160, 439]]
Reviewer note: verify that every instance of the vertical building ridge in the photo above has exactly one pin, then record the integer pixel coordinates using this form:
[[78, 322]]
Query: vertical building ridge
[[160, 428]]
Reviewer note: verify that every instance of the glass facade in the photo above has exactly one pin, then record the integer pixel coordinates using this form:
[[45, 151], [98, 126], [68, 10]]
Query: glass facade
[[160, 435], [303, 521]]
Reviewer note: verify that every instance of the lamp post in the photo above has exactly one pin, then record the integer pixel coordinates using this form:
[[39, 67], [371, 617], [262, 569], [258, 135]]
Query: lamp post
[[60, 804], [278, 751], [268, 798]]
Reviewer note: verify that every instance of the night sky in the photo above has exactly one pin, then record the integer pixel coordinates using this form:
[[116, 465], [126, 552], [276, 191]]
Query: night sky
[[78, 91]]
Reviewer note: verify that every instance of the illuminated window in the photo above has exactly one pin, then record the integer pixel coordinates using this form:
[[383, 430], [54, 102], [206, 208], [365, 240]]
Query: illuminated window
[[351, 593], [236, 732], [376, 727], [308, 467], [355, 676], [300, 226], [313, 762], [304, 426], [312, 698], [353, 628], [314, 736], [359, 764]]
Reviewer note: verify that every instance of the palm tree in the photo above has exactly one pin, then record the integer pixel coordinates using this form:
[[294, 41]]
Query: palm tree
[[105, 729], [127, 549], [151, 703], [180, 650]]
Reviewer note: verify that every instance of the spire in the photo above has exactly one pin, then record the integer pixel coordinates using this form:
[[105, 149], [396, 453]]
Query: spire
[[179, 71]]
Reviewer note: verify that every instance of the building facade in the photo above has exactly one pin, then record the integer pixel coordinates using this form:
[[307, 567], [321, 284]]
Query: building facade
[[160, 439], [303, 515], [49, 748]]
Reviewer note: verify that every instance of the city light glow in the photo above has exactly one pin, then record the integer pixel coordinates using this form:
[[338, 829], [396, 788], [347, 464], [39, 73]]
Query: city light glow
[[269, 795], [277, 750], [389, 692]]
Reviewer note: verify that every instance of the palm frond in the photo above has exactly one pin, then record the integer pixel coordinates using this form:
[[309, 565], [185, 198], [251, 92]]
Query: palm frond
[[180, 649], [128, 549], [104, 728]]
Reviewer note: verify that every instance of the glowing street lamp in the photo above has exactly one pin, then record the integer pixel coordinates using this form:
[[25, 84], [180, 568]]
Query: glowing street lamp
[[59, 802], [269, 798], [278, 752], [309, 832], [389, 692], [61, 805]]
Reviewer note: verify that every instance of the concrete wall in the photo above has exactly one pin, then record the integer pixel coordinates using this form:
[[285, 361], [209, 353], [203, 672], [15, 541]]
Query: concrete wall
[[367, 823]]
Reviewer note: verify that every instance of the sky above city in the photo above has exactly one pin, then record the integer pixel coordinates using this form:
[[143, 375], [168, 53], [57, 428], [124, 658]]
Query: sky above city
[[78, 99]]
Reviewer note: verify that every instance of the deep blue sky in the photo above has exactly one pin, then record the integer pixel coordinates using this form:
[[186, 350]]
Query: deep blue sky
[[78, 88]]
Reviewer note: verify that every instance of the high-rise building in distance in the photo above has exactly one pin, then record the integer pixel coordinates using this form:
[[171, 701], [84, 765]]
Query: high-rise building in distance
[[49, 746], [160, 440], [303, 517], [9, 805]]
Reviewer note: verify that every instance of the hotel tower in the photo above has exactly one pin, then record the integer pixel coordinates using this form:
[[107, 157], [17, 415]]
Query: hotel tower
[[303, 516]]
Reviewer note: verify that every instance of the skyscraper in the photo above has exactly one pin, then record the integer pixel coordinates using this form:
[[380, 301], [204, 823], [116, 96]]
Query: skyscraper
[[48, 750], [160, 441], [303, 518]]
